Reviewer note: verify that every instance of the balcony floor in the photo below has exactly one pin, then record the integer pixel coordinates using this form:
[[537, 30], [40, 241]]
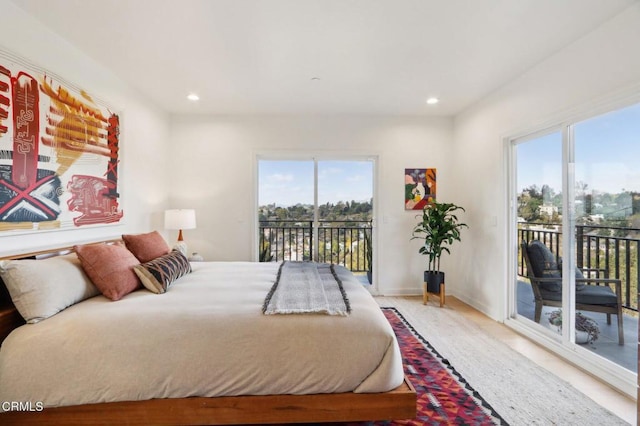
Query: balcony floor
[[607, 344]]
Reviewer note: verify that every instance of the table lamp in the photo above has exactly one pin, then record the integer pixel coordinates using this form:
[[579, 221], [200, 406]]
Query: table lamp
[[180, 219]]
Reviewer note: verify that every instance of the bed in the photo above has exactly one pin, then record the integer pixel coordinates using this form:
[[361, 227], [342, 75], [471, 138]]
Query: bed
[[202, 353]]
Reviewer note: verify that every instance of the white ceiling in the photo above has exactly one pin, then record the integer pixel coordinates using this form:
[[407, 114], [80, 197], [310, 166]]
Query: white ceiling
[[371, 56]]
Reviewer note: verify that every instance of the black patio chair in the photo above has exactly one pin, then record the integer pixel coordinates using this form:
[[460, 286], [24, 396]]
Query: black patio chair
[[592, 293]]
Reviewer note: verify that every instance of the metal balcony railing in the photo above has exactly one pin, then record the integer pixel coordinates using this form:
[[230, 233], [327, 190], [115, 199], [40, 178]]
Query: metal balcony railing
[[342, 242], [615, 249]]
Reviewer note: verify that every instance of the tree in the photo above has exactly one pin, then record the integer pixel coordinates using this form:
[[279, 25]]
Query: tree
[[529, 202], [581, 188], [635, 203], [281, 213], [588, 204], [547, 194]]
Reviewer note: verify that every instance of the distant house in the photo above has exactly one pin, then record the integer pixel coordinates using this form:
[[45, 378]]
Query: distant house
[[596, 217], [548, 209]]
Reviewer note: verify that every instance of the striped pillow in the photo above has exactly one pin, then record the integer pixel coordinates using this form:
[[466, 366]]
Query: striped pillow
[[158, 274]]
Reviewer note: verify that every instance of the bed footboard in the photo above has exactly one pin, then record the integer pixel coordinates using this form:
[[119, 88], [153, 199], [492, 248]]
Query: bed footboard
[[399, 403]]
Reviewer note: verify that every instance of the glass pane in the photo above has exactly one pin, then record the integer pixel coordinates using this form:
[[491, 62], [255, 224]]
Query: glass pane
[[539, 210], [345, 189], [607, 203], [285, 203], [283, 185], [345, 210]]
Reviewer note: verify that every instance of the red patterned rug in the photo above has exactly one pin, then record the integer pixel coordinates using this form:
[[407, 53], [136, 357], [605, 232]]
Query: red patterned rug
[[444, 396]]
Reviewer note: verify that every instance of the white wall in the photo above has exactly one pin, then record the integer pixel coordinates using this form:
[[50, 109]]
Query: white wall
[[603, 65], [213, 171], [144, 130]]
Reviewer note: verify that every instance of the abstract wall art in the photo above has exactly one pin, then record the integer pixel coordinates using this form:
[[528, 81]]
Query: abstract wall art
[[419, 188], [59, 152]]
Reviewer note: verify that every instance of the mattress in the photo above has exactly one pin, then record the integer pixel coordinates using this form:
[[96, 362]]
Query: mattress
[[205, 337]]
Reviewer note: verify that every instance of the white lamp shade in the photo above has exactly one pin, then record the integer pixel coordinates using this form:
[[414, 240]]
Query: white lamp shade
[[180, 219]]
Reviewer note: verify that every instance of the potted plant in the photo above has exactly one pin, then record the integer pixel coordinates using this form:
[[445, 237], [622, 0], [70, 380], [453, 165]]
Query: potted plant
[[587, 330], [439, 227], [368, 254], [265, 251]]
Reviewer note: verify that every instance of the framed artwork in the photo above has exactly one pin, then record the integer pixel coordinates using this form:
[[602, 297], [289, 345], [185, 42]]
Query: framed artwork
[[59, 152], [419, 188]]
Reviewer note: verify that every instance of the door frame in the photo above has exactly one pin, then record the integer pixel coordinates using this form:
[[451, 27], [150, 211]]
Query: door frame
[[613, 374], [316, 156]]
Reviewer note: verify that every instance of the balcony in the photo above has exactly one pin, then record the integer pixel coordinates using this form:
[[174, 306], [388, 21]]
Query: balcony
[[341, 242], [616, 249]]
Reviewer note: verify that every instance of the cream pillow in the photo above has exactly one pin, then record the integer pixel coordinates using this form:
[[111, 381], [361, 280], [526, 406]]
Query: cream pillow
[[42, 288]]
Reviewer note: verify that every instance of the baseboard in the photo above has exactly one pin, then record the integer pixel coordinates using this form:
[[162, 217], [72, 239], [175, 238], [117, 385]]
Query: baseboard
[[397, 292], [481, 307]]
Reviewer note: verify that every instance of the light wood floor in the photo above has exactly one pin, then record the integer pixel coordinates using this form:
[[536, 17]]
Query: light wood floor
[[616, 402]]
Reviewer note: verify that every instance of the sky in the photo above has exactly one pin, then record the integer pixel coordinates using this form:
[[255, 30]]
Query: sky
[[607, 154], [287, 183]]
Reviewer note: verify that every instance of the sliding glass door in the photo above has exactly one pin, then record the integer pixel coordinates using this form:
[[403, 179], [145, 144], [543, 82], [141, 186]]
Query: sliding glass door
[[606, 226], [539, 206], [317, 209], [576, 220]]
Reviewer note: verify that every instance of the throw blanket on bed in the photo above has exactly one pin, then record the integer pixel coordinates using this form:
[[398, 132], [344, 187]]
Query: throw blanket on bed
[[306, 287]]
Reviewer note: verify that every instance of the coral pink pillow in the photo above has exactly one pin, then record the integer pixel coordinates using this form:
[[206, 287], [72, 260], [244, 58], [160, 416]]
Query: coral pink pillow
[[146, 247], [110, 267]]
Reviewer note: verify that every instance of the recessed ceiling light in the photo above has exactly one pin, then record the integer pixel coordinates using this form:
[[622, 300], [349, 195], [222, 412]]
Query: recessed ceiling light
[[193, 97], [315, 78], [433, 101]]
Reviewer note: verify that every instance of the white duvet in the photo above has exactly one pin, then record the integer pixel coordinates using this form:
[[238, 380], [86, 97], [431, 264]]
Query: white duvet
[[206, 336]]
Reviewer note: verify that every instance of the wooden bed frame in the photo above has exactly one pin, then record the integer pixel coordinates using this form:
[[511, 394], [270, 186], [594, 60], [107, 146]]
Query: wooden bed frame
[[399, 403]]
